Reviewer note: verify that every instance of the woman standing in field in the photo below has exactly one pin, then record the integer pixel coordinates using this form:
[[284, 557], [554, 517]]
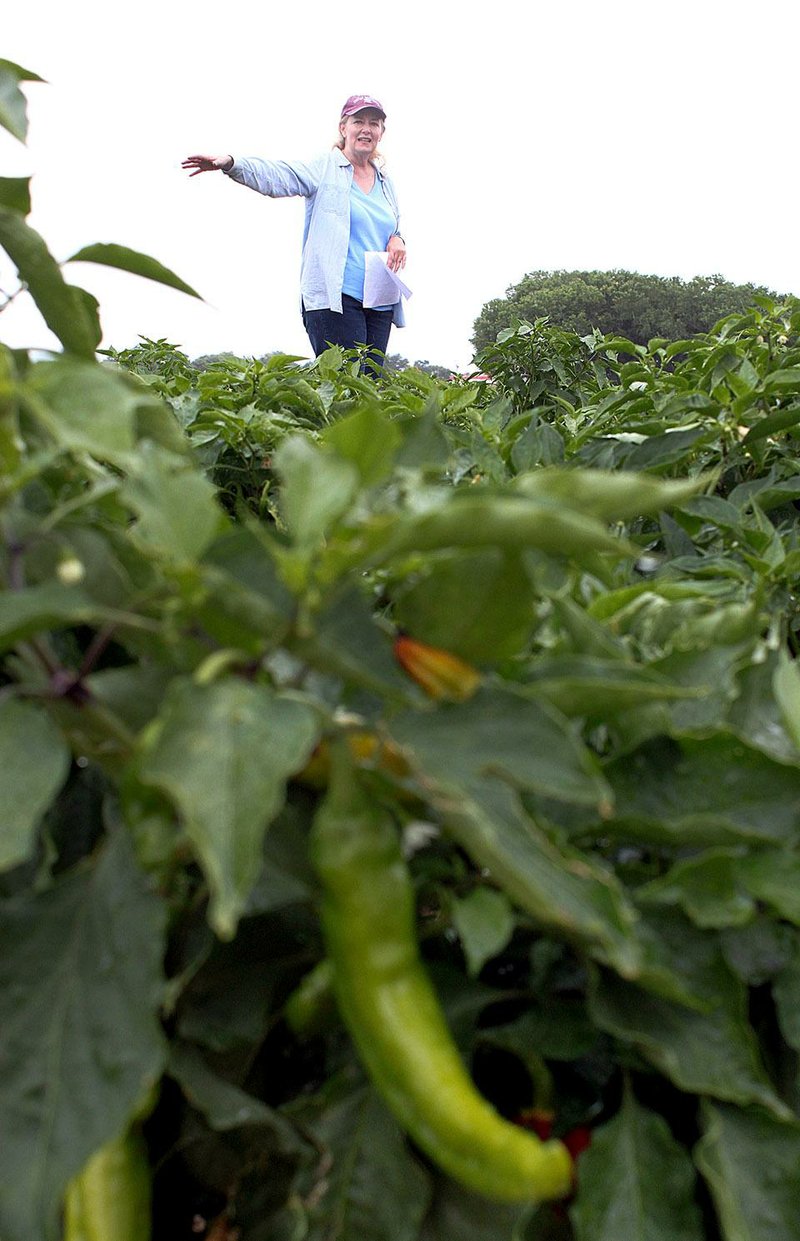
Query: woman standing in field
[[351, 208]]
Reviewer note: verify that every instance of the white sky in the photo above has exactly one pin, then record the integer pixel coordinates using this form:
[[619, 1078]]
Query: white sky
[[657, 137]]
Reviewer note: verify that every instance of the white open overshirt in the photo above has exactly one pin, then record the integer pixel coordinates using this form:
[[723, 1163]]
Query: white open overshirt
[[325, 184]]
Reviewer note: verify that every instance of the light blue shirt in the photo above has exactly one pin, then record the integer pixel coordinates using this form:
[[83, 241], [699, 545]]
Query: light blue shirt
[[325, 184], [372, 223]]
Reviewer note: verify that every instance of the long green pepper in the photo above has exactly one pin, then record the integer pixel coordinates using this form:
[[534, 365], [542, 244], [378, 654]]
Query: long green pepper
[[389, 1005]]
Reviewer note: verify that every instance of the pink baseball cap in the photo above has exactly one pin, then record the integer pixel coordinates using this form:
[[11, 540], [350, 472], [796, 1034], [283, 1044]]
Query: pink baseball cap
[[356, 102]]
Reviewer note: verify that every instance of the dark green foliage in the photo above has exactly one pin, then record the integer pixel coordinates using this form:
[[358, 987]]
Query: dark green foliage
[[622, 303]]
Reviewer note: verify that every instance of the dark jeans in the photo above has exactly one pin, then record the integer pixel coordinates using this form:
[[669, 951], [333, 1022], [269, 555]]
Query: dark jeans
[[354, 326]]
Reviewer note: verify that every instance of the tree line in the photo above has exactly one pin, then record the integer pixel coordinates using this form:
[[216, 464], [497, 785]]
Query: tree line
[[624, 303]]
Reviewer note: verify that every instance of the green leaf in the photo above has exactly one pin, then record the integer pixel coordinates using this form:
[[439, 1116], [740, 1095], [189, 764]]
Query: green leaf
[[458, 1215], [424, 442], [540, 445], [772, 876], [786, 685], [176, 505], [109, 254], [587, 684], [133, 692], [564, 890], [636, 1182], [506, 735], [70, 313], [665, 792], [752, 1165], [80, 986], [511, 522], [478, 605], [34, 759], [758, 952], [469, 758], [24, 613], [786, 379], [15, 193], [755, 714], [368, 440], [609, 495], [84, 406], [374, 1189], [485, 923], [317, 489], [786, 990], [707, 1049], [555, 1029], [349, 643], [708, 887], [222, 1103], [247, 606], [773, 423], [13, 106], [675, 446], [223, 753]]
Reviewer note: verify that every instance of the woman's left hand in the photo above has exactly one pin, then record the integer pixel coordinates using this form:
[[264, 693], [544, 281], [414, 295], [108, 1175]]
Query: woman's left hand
[[396, 249]]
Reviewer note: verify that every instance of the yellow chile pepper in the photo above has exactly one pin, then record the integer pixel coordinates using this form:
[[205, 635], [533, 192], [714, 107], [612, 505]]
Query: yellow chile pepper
[[440, 674], [393, 1014], [365, 747], [109, 1199]]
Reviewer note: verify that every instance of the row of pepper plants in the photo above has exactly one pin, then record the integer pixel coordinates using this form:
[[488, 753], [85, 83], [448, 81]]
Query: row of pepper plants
[[399, 816]]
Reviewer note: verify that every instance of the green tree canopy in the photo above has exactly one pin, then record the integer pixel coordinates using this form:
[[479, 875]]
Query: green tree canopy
[[623, 302]]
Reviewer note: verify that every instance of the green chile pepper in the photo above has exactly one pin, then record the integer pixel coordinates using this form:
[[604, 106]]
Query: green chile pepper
[[310, 1006], [393, 1014], [109, 1199]]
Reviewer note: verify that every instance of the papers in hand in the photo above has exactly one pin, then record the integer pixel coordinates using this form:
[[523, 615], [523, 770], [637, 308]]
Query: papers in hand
[[382, 286]]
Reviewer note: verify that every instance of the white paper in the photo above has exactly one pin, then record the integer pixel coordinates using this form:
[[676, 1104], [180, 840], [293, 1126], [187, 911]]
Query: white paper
[[382, 286]]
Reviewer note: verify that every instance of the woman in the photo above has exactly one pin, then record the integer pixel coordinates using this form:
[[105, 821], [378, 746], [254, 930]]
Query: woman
[[351, 208]]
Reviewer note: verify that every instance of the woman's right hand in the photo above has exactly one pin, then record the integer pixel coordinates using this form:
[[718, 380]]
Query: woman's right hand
[[208, 163]]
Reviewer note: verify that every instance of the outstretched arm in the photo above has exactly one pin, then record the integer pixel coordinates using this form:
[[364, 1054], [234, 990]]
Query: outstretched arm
[[208, 163]]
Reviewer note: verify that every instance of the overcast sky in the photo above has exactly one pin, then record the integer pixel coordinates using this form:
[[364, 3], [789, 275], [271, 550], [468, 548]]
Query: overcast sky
[[660, 138]]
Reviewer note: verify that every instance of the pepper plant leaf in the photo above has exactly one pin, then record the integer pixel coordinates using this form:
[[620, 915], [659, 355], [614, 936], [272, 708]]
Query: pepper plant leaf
[[317, 489], [786, 990], [80, 986], [667, 795], [368, 439], [85, 407], [751, 1162], [109, 254], [484, 920], [15, 193], [607, 494], [455, 1212], [620, 1194], [24, 613], [177, 508], [223, 753], [225, 1105], [13, 105], [374, 1189], [712, 1052], [34, 759], [69, 312], [477, 604]]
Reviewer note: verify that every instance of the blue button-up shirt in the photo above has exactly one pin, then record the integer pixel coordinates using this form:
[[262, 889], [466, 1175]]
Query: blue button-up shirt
[[325, 184]]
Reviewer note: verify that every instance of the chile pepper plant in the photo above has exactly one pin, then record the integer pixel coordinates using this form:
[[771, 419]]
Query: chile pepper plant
[[401, 802]]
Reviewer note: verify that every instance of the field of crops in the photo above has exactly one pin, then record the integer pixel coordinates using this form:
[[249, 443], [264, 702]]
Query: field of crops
[[356, 731]]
